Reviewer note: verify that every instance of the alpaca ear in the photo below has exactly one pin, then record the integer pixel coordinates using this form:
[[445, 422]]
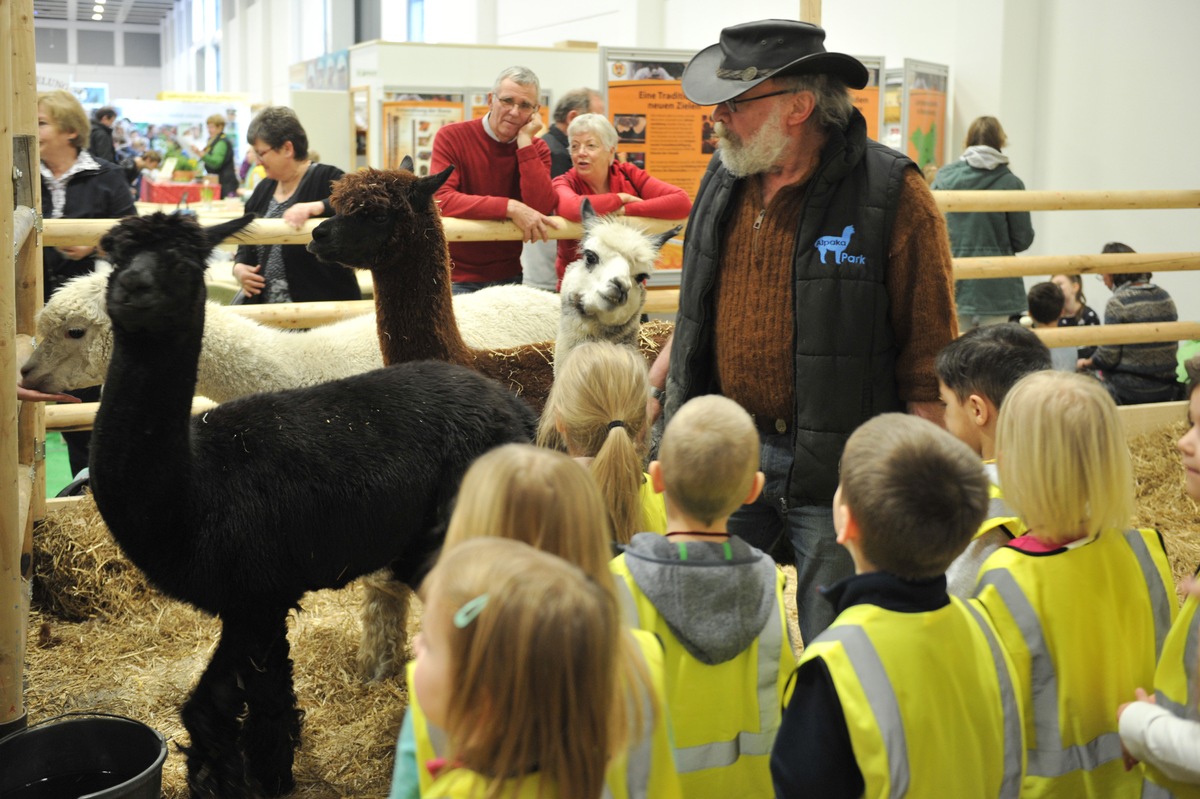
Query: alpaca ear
[[407, 163], [662, 238], [424, 188], [216, 234], [587, 214]]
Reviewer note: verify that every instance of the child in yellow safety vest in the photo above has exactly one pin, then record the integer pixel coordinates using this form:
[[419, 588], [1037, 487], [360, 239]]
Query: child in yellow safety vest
[[715, 602], [545, 499], [596, 412], [518, 662], [975, 372], [1163, 730], [1081, 602], [908, 692]]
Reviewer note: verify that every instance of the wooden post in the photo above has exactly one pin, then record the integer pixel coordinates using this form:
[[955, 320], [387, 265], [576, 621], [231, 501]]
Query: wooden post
[[810, 11], [31, 432], [14, 594]]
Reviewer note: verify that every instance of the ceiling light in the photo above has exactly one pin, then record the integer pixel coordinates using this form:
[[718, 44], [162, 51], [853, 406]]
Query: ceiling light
[[98, 9], [97, 17]]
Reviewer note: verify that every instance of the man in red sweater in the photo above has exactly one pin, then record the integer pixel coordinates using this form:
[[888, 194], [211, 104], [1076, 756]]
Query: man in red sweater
[[502, 171]]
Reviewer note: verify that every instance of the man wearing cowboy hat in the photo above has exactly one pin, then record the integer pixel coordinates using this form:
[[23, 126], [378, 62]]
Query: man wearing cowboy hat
[[816, 284]]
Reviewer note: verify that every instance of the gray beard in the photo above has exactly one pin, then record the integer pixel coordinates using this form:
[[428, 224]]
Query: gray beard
[[763, 153]]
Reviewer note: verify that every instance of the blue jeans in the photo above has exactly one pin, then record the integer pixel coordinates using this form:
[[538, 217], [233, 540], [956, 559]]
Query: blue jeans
[[470, 287], [820, 560]]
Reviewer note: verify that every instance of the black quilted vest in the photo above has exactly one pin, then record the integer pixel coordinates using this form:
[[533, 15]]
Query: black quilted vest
[[845, 350]]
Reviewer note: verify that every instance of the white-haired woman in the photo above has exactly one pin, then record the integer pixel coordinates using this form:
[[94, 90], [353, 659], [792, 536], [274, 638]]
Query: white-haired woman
[[611, 186]]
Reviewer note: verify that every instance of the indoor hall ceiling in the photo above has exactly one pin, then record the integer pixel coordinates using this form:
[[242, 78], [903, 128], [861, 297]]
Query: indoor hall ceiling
[[141, 12]]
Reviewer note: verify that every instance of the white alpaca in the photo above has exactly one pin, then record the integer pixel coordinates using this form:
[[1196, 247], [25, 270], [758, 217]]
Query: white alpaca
[[240, 357], [604, 291]]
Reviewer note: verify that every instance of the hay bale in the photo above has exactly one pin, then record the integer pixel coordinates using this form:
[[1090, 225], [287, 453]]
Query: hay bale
[[142, 662], [1160, 500], [79, 571]]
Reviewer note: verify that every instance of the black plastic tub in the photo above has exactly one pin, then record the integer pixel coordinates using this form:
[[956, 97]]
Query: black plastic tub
[[85, 756]]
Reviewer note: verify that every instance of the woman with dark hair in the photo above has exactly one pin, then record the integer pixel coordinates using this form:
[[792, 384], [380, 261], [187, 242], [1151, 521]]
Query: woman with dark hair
[[217, 156], [75, 185], [981, 167], [1136, 373], [294, 190]]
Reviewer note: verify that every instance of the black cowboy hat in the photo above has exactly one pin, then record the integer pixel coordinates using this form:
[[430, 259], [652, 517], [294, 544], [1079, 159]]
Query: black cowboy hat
[[753, 52]]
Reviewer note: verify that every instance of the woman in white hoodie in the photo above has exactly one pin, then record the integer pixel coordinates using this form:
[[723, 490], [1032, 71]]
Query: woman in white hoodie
[[982, 166]]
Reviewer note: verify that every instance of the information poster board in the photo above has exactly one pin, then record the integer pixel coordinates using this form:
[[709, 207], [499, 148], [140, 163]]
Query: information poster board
[[658, 128], [410, 124], [869, 100], [924, 112]]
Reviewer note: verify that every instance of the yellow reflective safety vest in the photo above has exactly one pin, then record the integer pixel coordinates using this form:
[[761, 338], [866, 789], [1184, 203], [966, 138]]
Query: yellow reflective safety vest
[[462, 784], [1175, 686], [654, 508], [1084, 627], [724, 717], [645, 770], [929, 701], [999, 514]]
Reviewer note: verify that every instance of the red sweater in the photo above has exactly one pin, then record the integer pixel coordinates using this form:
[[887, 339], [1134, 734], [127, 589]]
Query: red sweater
[[486, 175], [660, 200]]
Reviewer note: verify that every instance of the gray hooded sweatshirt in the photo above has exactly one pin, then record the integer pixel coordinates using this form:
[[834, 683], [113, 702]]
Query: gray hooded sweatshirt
[[715, 597]]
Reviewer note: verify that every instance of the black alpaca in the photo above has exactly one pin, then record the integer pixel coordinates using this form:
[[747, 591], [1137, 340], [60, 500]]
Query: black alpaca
[[242, 510]]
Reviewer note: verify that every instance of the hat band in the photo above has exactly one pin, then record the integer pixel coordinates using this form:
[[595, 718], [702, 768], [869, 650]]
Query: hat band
[[748, 73]]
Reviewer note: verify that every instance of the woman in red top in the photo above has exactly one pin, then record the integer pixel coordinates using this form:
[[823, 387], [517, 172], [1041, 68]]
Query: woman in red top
[[611, 186]]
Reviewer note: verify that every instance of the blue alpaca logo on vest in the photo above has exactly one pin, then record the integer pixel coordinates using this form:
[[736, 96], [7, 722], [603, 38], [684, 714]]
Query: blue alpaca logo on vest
[[837, 245]]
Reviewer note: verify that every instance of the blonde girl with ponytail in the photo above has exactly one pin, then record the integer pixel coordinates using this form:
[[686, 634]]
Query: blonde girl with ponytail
[[596, 411]]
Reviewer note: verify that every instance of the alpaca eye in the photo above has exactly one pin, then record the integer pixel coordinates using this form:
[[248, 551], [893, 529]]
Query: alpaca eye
[[76, 332], [641, 278], [590, 258]]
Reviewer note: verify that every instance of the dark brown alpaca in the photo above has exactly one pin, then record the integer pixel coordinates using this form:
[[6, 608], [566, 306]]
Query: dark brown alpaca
[[387, 222]]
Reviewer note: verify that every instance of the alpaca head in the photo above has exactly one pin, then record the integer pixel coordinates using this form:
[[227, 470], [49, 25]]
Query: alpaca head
[[74, 337], [378, 215], [158, 269], [608, 283]]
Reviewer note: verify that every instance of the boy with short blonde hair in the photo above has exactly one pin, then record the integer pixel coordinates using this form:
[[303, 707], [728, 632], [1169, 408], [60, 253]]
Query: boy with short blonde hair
[[902, 655], [975, 373], [714, 601]]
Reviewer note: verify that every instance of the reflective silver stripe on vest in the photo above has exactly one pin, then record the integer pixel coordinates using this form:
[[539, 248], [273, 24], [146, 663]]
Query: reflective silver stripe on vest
[[746, 744], [880, 696], [1010, 786], [640, 760], [629, 610], [437, 738], [1050, 758], [999, 509], [1152, 791], [1191, 652], [1160, 603]]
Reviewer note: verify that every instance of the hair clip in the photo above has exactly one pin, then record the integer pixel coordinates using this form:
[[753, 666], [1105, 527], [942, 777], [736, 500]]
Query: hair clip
[[470, 611]]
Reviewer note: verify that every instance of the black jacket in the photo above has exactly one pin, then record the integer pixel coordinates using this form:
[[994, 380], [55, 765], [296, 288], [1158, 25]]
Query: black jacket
[[309, 280], [100, 142], [102, 193]]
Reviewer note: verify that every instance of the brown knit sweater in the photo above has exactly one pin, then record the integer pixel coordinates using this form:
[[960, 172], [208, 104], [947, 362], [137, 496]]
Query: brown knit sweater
[[754, 301]]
